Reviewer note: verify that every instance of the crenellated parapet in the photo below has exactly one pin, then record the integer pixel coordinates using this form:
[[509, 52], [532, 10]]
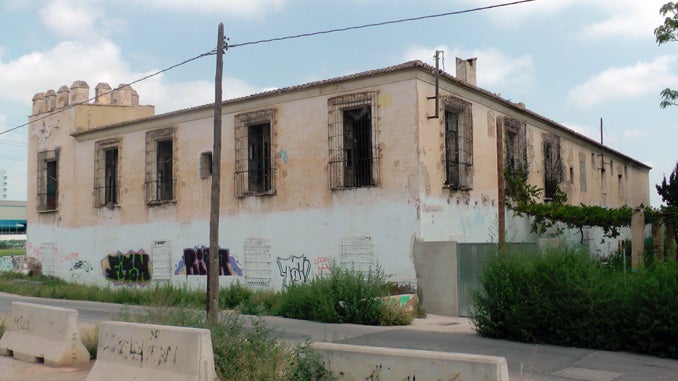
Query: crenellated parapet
[[78, 93]]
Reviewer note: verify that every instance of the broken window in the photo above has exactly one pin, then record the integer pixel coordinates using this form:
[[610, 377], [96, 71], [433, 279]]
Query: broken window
[[160, 179], [48, 180], [253, 148], [106, 172], [353, 143], [515, 146], [553, 172], [205, 165], [458, 144]]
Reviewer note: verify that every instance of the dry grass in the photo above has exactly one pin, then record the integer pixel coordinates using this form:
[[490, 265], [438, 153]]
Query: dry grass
[[89, 334]]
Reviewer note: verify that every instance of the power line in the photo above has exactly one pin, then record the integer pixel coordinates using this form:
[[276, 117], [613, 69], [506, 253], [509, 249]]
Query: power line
[[108, 92], [377, 24]]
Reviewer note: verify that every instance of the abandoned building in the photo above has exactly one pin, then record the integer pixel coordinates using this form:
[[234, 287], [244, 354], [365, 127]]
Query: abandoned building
[[359, 171]]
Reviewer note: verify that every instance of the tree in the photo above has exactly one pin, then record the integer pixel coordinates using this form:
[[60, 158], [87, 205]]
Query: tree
[[669, 189], [665, 33]]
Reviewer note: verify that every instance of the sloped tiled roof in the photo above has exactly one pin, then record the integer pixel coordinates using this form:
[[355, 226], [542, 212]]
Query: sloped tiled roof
[[410, 65]]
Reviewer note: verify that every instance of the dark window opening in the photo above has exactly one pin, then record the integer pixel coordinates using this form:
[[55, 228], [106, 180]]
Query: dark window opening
[[259, 158], [205, 165], [164, 180], [52, 185], [358, 147], [111, 176], [552, 166]]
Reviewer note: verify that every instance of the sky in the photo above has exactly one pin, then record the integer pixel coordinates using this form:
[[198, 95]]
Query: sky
[[573, 61]]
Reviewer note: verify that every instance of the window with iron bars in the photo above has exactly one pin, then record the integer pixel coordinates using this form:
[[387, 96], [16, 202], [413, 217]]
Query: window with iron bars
[[515, 146], [553, 168], [254, 167], [48, 180], [458, 130], [106, 173], [353, 140], [160, 177]]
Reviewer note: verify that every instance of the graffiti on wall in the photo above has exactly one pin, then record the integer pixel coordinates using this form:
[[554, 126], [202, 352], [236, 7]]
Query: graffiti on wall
[[294, 269], [80, 267], [195, 261], [323, 266], [133, 267]]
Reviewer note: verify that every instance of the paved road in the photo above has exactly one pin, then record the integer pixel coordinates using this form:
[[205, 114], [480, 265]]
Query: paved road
[[438, 333]]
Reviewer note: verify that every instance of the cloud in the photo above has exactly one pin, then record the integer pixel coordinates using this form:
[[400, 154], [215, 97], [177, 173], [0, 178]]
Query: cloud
[[70, 19], [611, 18], [496, 71], [626, 82], [234, 7]]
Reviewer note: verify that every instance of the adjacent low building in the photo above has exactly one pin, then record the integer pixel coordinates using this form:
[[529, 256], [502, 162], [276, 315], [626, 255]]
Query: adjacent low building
[[353, 171]]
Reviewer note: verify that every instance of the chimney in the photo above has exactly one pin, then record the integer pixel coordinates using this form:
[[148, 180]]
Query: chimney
[[63, 96], [79, 92], [466, 70], [103, 94]]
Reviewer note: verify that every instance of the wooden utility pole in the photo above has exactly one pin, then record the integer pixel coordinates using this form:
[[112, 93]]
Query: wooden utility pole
[[213, 270]]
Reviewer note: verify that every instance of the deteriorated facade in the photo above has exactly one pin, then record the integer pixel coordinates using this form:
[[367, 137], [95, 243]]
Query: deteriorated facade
[[351, 170]]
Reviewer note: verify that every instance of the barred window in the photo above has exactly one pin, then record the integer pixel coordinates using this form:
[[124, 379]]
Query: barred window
[[582, 175], [458, 144], [48, 180], [353, 140], [553, 169], [515, 146], [253, 146], [160, 177], [106, 173]]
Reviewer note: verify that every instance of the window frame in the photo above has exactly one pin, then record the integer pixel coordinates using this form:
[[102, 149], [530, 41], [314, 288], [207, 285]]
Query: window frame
[[457, 147], [515, 146], [153, 170], [103, 197], [46, 160], [341, 157], [245, 178]]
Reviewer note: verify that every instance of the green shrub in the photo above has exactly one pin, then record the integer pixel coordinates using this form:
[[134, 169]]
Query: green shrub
[[564, 297], [344, 296]]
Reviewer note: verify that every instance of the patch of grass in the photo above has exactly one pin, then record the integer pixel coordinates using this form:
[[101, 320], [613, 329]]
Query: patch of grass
[[89, 333], [242, 352]]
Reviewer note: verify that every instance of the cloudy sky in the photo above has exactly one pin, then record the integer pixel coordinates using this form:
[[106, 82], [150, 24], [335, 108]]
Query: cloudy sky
[[573, 61]]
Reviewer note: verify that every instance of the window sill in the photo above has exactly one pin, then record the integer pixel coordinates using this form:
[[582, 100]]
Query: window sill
[[350, 188], [160, 202], [46, 211], [455, 188], [109, 206], [271, 192]]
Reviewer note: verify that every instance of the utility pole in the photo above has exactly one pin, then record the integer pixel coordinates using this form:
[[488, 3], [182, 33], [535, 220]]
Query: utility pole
[[213, 269], [501, 191]]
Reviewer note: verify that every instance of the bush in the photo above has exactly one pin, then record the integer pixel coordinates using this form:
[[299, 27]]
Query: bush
[[344, 296], [564, 297]]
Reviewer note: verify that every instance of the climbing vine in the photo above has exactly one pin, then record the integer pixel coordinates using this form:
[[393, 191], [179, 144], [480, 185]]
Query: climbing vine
[[523, 198]]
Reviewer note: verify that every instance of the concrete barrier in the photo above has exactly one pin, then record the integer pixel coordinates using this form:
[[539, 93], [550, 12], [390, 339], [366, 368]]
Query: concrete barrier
[[37, 333], [132, 351], [352, 362]]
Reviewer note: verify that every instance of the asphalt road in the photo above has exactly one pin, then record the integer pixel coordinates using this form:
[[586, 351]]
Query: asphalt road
[[436, 333]]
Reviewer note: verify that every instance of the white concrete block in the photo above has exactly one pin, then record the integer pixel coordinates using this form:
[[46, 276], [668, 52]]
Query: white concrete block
[[43, 333], [132, 351], [352, 362]]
